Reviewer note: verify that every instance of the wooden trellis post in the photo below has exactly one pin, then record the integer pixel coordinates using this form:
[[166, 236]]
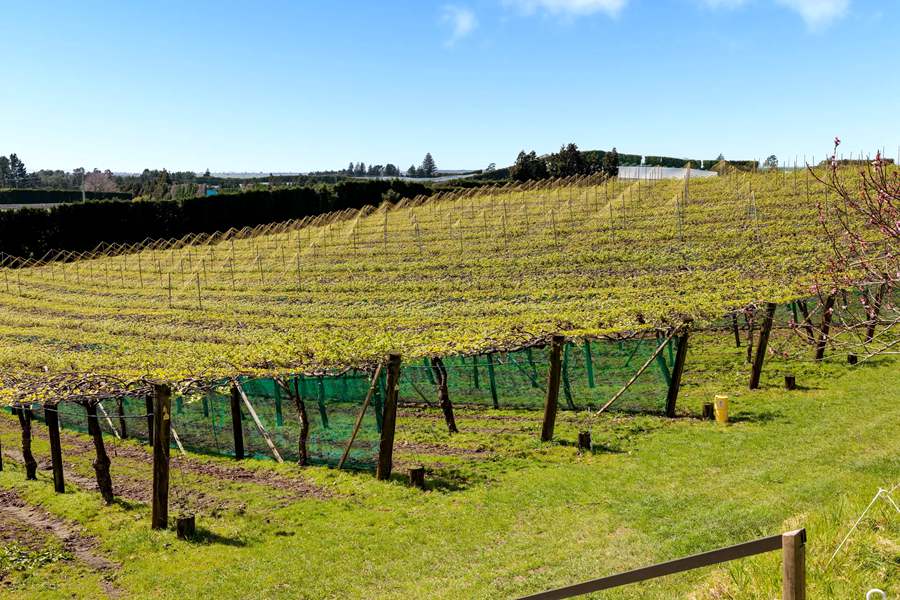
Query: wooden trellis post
[[51, 418], [554, 378], [389, 420], [162, 421], [148, 403], [237, 424], [793, 551], [677, 371], [760, 356]]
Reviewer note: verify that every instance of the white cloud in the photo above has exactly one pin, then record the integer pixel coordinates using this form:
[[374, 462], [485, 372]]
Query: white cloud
[[460, 20], [818, 13], [569, 7]]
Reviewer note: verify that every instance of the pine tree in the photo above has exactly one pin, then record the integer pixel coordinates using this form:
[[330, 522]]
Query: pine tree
[[4, 171], [411, 171], [18, 173], [611, 163], [428, 168]]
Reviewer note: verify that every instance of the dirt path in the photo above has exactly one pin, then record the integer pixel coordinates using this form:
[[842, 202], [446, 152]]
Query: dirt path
[[80, 546]]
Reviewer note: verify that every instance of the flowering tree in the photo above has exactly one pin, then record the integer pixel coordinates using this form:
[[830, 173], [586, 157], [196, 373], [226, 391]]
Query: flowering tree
[[862, 224]]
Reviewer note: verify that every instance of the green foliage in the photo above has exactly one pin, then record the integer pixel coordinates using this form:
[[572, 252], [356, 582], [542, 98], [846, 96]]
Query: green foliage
[[528, 167], [31, 196], [15, 557]]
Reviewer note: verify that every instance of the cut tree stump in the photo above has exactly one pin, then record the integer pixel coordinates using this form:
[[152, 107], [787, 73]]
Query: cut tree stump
[[584, 440], [709, 411]]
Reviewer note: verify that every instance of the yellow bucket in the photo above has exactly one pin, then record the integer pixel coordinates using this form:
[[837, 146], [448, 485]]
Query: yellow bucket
[[721, 408]]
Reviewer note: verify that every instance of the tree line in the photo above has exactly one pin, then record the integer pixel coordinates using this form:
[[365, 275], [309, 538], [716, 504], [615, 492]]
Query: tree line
[[569, 161]]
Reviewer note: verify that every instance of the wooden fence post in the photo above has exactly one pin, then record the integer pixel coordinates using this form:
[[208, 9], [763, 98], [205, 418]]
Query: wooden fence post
[[51, 418], [162, 421], [237, 424], [554, 376], [760, 357], [677, 371], [389, 420], [826, 325], [793, 549], [589, 363]]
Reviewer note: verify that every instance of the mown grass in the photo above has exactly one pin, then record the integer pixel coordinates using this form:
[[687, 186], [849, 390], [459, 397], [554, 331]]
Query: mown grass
[[506, 515]]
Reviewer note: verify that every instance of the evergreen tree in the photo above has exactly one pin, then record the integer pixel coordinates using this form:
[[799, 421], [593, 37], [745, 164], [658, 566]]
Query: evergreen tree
[[411, 171], [391, 170], [528, 167], [350, 169], [4, 171], [428, 168], [18, 173], [567, 162], [611, 163]]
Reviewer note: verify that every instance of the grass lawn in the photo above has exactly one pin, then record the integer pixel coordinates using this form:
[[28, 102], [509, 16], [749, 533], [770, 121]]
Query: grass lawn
[[505, 515]]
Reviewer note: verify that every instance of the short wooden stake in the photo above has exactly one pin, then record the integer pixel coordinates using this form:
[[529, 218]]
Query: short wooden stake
[[793, 549], [554, 377], [25, 422], [852, 359], [389, 420], [790, 382], [162, 423], [760, 356], [185, 527], [584, 440], [709, 411], [51, 418], [417, 477], [237, 424]]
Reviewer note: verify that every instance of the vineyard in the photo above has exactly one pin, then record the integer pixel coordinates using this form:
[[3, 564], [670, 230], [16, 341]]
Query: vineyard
[[579, 295], [450, 275]]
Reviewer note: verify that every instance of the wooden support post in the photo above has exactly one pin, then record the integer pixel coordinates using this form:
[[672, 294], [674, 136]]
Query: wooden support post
[[826, 326], [149, 404], [677, 372], [709, 413], [475, 382], [359, 417], [793, 550], [389, 420], [734, 328], [25, 422], [492, 379], [760, 356], [51, 418], [554, 376], [162, 422], [852, 359], [237, 423], [259, 425], [589, 363]]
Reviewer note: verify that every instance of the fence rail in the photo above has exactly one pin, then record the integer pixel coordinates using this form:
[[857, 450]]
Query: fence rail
[[792, 544]]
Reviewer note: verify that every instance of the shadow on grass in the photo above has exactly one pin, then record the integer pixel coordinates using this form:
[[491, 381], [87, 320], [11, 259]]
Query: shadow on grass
[[767, 416], [206, 537], [596, 447]]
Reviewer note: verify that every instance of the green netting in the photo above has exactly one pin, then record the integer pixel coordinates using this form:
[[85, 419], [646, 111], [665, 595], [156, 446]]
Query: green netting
[[593, 371], [204, 423]]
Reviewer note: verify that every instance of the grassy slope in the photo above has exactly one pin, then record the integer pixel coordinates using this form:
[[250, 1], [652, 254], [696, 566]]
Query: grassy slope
[[519, 517]]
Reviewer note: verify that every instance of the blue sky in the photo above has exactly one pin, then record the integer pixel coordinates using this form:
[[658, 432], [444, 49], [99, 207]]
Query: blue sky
[[297, 86]]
